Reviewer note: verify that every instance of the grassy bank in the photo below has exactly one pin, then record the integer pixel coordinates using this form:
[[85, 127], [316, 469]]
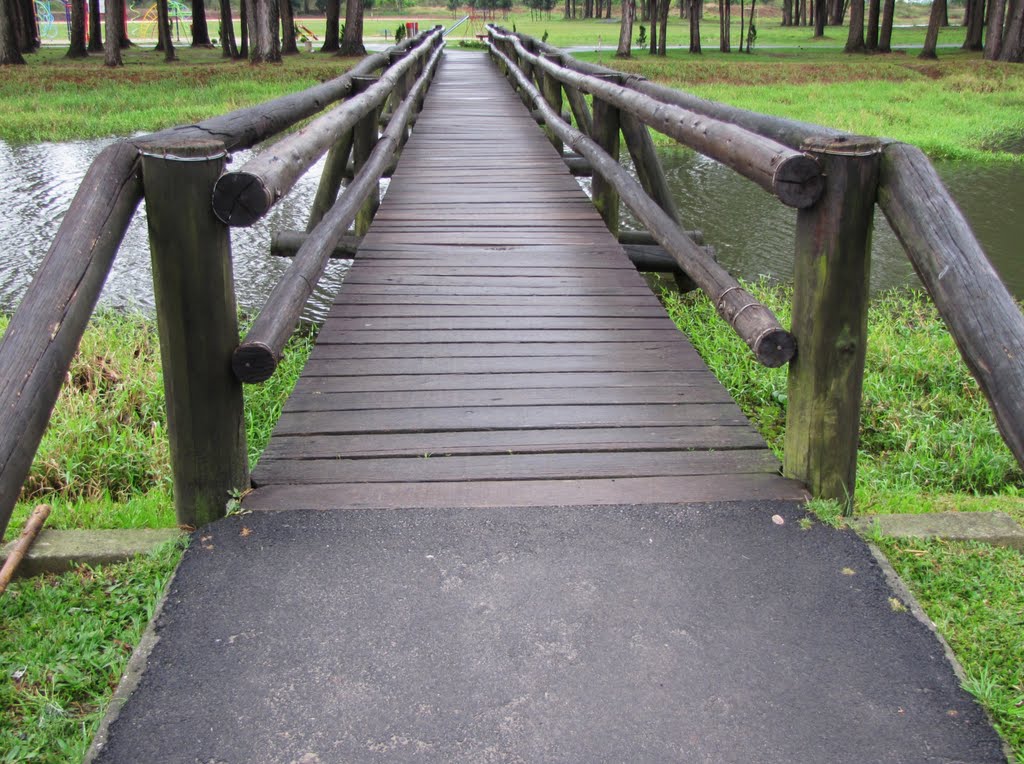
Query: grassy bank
[[928, 443]]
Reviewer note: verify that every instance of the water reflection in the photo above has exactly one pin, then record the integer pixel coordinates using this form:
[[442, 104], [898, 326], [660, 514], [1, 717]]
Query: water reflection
[[40, 181], [752, 232]]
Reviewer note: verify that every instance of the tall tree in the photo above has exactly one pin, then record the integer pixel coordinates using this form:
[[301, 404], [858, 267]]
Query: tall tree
[[76, 48], [874, 11], [885, 33], [1013, 35], [655, 14], [931, 37], [819, 18], [665, 8], [333, 11], [163, 23], [855, 36], [994, 17], [244, 12], [352, 39], [112, 41], [264, 46], [9, 52], [228, 46], [724, 25], [625, 49], [95, 28], [695, 25], [200, 29], [836, 12], [288, 44], [26, 31], [975, 17], [787, 12]]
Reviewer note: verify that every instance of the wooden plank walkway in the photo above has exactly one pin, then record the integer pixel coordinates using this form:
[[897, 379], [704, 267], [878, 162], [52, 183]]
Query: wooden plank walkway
[[493, 346]]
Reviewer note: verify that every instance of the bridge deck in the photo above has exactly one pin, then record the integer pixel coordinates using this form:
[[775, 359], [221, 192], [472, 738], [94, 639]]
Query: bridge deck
[[493, 345]]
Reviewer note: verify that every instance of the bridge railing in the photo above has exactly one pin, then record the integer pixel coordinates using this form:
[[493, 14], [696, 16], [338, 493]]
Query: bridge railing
[[834, 180], [178, 171]]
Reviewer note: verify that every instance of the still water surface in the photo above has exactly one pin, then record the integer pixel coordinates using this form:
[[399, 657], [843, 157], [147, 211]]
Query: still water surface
[[752, 232]]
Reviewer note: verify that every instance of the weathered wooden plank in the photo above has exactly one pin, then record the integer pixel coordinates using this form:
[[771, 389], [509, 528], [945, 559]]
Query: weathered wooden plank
[[509, 323], [618, 439], [611, 334], [533, 493], [383, 308], [509, 417], [325, 351]]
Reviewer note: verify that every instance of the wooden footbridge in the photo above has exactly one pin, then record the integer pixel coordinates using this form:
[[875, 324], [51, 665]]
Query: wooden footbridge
[[602, 561]]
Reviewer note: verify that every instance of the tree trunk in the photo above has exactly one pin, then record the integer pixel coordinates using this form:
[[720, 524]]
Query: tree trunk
[[855, 37], [742, 30], [264, 47], [1013, 36], [200, 29], [932, 36], [23, 21], [288, 45], [352, 40], [695, 26], [95, 28], [666, 7], [626, 29], [995, 16], [724, 24], [975, 25], [227, 31], [244, 8], [76, 48], [9, 53], [885, 34], [819, 18], [122, 27], [331, 43], [836, 13], [163, 23], [787, 13], [654, 7], [112, 43], [874, 11]]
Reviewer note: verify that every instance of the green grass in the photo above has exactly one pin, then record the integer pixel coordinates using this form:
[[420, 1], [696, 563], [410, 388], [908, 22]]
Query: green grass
[[64, 644], [928, 443]]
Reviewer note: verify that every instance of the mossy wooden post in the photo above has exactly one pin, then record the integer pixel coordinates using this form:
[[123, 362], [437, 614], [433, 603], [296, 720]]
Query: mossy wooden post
[[198, 324], [364, 138], [830, 311], [606, 134], [331, 179], [552, 91]]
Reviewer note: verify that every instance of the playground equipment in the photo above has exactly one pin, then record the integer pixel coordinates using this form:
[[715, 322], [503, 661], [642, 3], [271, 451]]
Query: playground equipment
[[177, 12], [44, 20]]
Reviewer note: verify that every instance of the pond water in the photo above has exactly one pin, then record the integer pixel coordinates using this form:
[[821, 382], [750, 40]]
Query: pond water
[[752, 232]]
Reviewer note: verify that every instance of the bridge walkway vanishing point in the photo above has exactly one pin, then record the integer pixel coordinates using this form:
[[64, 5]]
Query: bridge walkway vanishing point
[[493, 345], [490, 316]]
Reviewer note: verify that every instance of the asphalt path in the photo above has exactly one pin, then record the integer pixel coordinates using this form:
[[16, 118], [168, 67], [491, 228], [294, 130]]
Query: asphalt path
[[696, 633]]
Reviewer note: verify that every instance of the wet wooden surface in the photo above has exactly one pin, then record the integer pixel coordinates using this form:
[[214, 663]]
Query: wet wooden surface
[[493, 345]]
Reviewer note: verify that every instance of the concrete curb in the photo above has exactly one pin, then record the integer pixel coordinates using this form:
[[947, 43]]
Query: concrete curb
[[61, 551], [996, 528]]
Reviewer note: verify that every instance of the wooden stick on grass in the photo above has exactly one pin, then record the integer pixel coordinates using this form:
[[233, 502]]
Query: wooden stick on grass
[[21, 547]]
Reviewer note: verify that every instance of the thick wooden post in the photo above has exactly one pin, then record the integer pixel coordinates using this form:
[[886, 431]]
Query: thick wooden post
[[198, 324], [606, 135], [552, 91], [364, 138], [648, 166], [830, 310], [331, 179]]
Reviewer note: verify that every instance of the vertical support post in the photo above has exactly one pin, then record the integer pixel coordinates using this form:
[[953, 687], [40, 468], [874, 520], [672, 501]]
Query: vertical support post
[[580, 110], [365, 136], [330, 180], [648, 166], [552, 91], [830, 308], [198, 324], [403, 85], [606, 135]]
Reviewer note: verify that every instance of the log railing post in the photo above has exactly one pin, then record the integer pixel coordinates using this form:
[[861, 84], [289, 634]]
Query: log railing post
[[606, 135], [830, 309], [198, 325], [331, 179], [552, 91], [364, 138]]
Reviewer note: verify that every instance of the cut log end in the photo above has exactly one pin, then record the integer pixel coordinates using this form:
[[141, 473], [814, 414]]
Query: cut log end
[[774, 348], [253, 362], [240, 199], [798, 181]]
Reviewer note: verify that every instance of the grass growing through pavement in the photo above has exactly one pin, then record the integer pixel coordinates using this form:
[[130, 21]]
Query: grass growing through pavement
[[928, 443], [64, 643]]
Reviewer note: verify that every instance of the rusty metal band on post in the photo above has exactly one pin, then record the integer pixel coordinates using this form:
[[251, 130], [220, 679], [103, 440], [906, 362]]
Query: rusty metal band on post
[[772, 345]]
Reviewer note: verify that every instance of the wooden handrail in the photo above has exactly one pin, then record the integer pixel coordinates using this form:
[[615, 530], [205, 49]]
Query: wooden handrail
[[243, 196], [756, 325], [257, 356], [792, 176]]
